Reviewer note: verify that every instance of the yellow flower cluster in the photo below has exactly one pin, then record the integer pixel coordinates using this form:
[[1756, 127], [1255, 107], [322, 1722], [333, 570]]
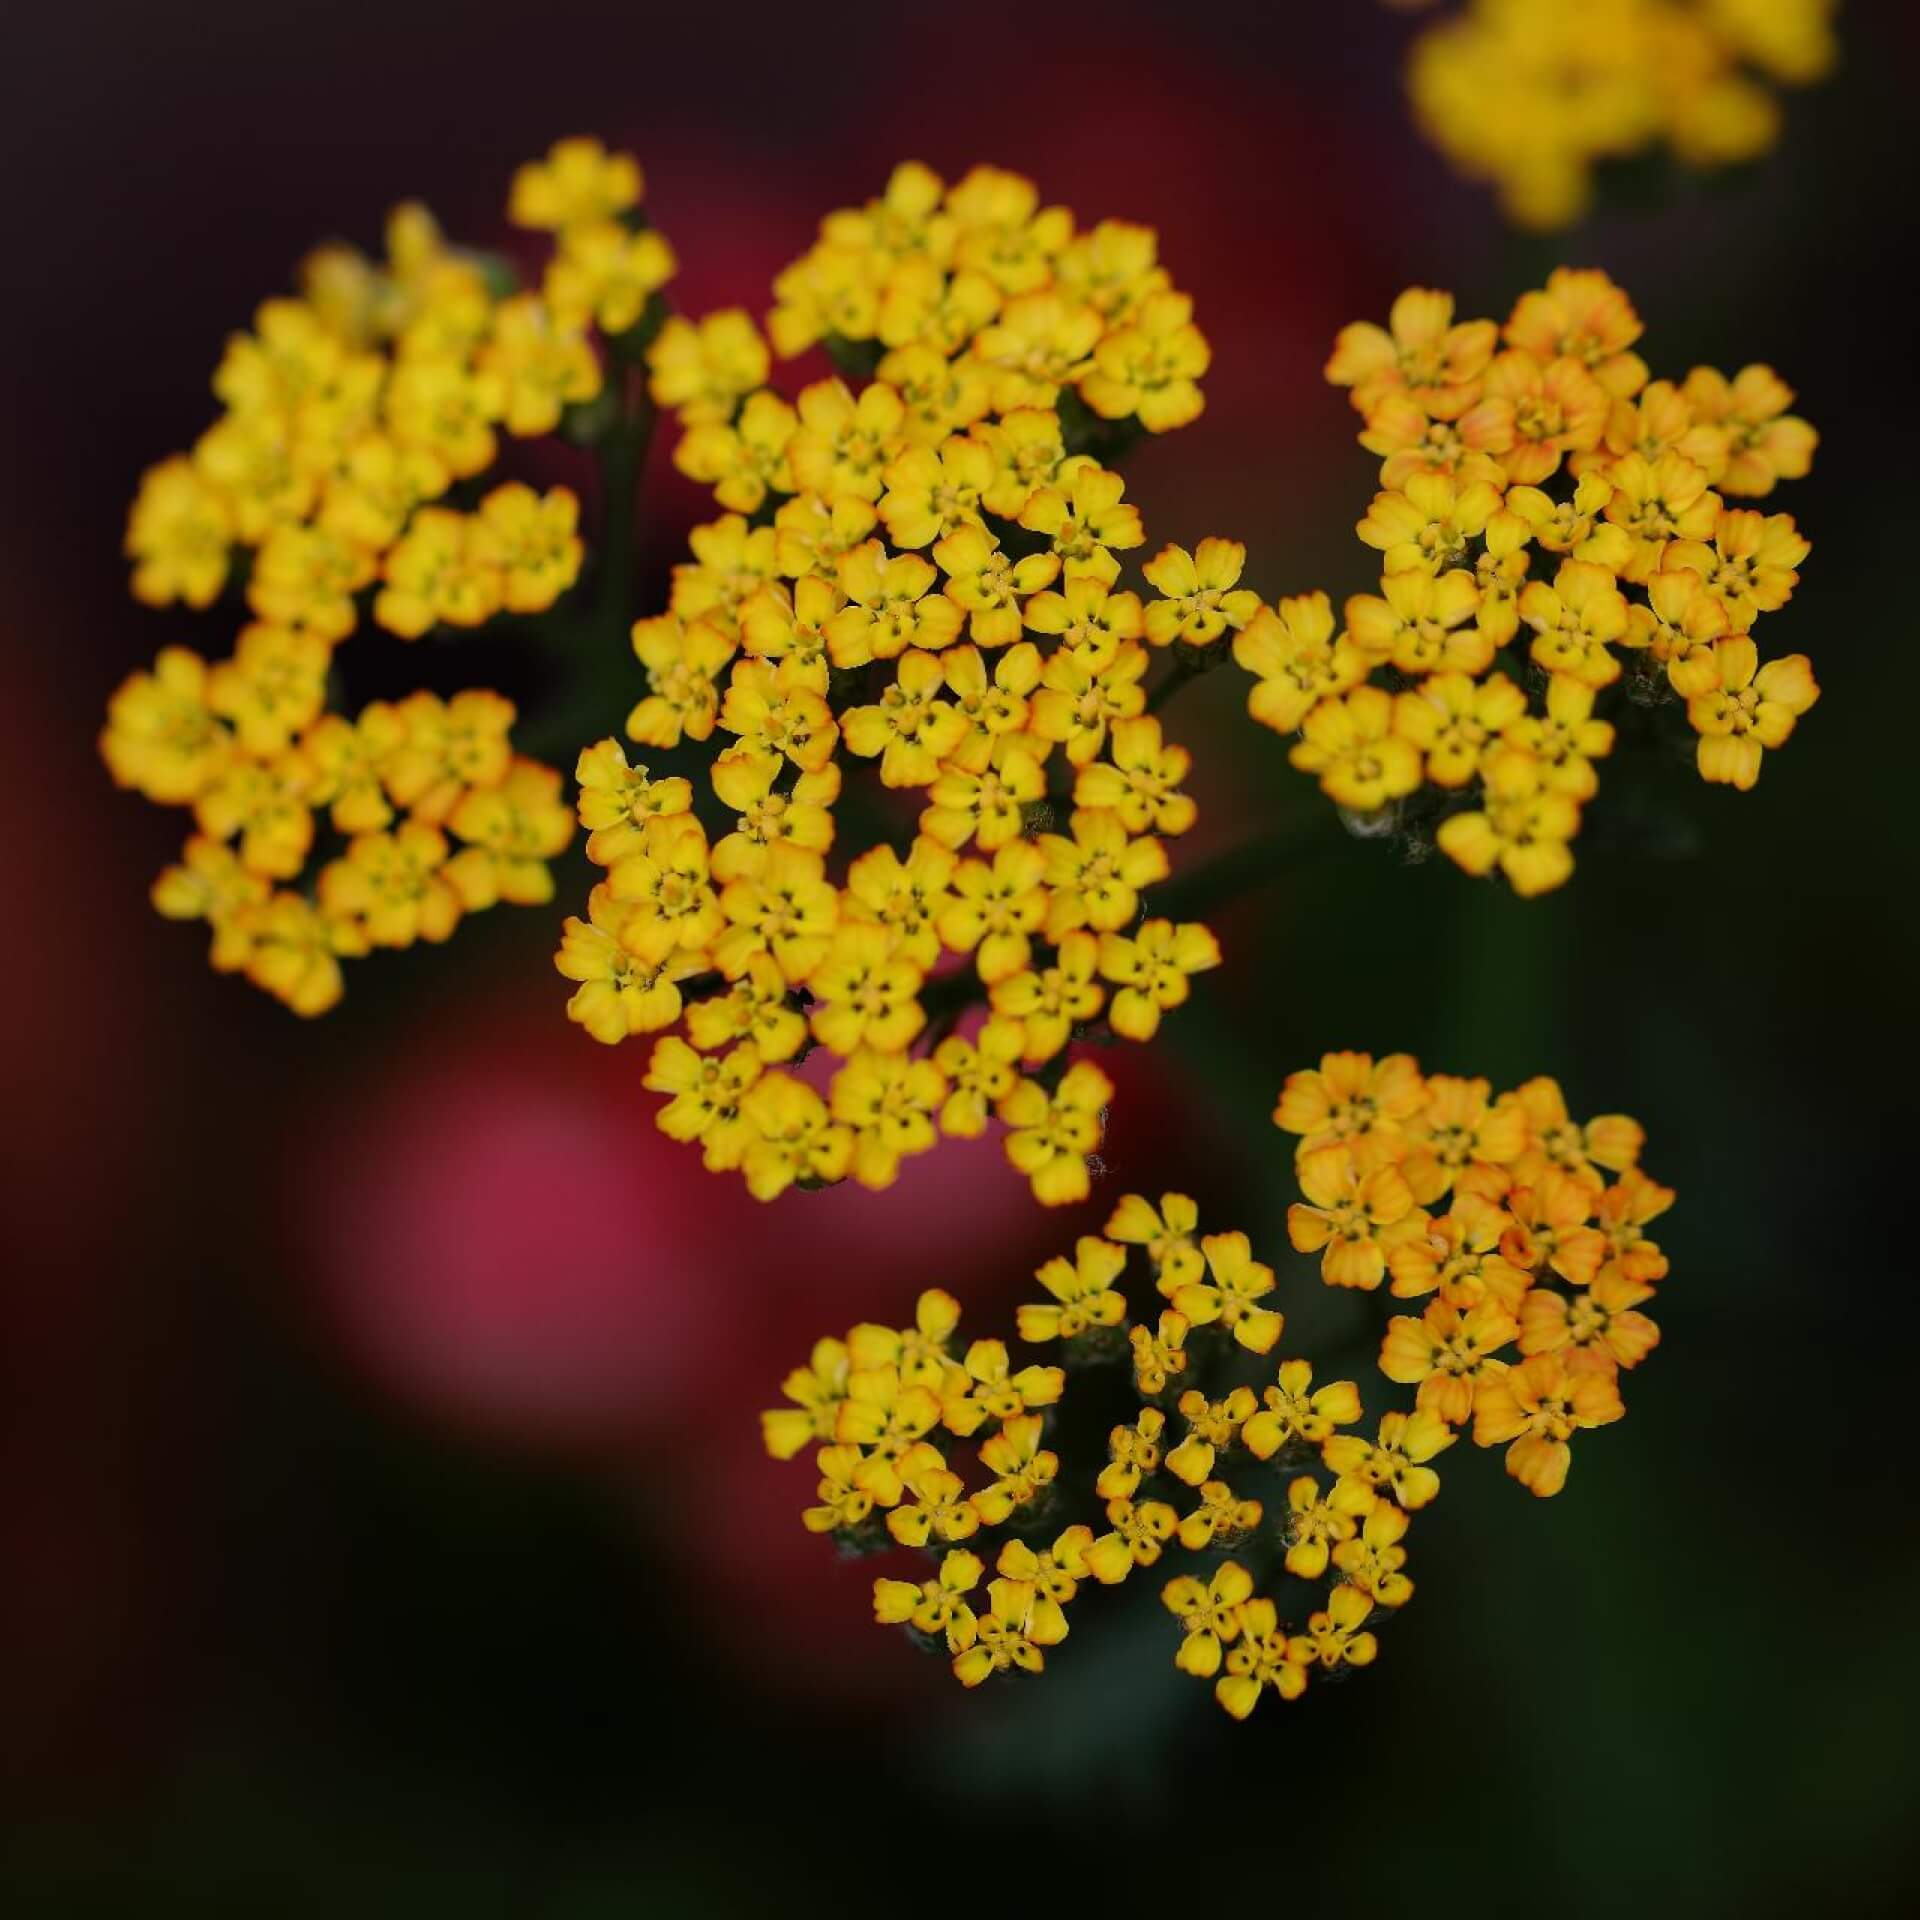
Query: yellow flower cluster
[[356, 415], [913, 594], [1541, 442], [395, 782], [1530, 95], [1536, 1252]]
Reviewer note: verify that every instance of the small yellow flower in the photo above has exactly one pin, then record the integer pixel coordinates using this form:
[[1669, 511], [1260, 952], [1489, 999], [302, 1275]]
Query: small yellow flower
[[180, 534], [1012, 1634], [1212, 1428], [618, 993], [1151, 971], [395, 885], [578, 182], [1167, 1234], [1132, 1453], [212, 884], [1263, 1657], [938, 1607], [1318, 1525], [1395, 1463], [703, 370], [512, 830], [542, 361], [816, 1391], [1200, 598], [1238, 1282], [1139, 1533], [1159, 1352], [892, 606], [1083, 1293], [294, 950], [531, 541], [1295, 1412], [162, 735], [1333, 1637], [1350, 742], [603, 273], [1023, 1469], [889, 1102], [1209, 1615], [1051, 1135]]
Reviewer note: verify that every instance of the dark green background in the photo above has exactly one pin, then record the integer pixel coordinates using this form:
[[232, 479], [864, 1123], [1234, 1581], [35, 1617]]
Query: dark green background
[[279, 1639]]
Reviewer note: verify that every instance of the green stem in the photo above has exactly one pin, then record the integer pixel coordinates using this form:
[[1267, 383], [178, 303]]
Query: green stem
[[623, 459]]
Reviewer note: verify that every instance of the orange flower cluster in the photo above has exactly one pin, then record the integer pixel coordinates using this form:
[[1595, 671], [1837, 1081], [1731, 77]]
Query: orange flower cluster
[[1533, 1279], [1515, 1225], [1558, 552]]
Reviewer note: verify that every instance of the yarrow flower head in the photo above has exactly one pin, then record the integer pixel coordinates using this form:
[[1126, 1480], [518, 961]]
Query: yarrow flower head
[[927, 808], [1565, 580], [1521, 1234], [1532, 98], [346, 486]]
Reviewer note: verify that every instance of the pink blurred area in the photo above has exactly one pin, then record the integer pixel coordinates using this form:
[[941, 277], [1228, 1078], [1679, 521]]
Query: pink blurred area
[[504, 1242]]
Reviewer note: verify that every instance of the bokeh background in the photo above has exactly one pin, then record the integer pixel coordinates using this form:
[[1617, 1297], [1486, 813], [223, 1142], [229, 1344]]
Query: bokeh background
[[385, 1527]]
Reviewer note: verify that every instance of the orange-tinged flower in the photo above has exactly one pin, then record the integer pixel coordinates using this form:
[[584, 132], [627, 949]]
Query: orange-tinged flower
[[1535, 412], [1349, 1098], [1576, 621], [1537, 1406], [1678, 627], [1458, 1255], [1429, 522], [1583, 316], [1446, 1352], [1296, 661], [1750, 709], [1765, 443], [1600, 1328], [1358, 1218], [1421, 351], [1550, 1229], [1656, 502], [1418, 624], [1350, 742]]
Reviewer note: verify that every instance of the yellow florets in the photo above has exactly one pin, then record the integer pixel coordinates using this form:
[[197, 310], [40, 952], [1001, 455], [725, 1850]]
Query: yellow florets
[[322, 496], [1561, 562], [1532, 97], [912, 591], [1523, 1235]]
